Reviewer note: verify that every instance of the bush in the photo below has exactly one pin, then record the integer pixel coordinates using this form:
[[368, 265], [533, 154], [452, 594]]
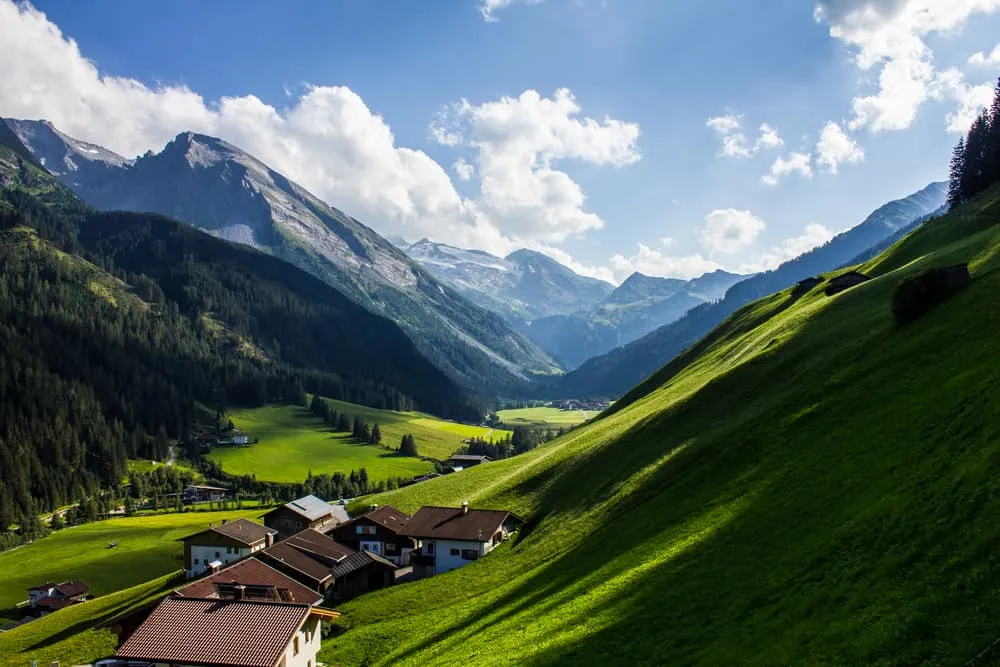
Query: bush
[[916, 295]]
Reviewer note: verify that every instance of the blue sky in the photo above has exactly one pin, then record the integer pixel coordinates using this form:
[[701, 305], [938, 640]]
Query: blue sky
[[612, 164]]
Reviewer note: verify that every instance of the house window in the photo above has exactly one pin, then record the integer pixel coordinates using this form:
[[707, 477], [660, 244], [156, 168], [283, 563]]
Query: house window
[[295, 646], [298, 525], [229, 550], [359, 529], [469, 554], [196, 561], [454, 552], [390, 547], [218, 554], [430, 548]]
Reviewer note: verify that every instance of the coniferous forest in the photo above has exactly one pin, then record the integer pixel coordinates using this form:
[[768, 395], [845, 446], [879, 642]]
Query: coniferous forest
[[117, 331], [975, 162]]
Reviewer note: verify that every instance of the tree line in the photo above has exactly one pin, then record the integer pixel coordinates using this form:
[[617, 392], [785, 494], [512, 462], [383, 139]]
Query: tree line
[[522, 439], [975, 162]]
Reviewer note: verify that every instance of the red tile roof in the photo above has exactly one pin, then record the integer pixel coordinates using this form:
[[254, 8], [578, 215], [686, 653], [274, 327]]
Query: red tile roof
[[215, 632], [453, 523], [386, 516], [251, 572], [72, 589]]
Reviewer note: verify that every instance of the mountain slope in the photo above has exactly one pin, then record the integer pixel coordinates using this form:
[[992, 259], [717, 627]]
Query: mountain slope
[[612, 374], [523, 286], [216, 187], [638, 306], [115, 326], [844, 512]]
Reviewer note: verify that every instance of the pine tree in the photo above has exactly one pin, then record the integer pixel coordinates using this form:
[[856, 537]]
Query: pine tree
[[992, 164], [408, 446], [955, 173], [366, 433], [356, 430], [376, 438], [975, 157], [343, 423]]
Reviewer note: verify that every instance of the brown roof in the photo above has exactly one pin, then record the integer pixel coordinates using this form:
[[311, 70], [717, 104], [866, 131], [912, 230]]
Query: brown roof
[[72, 589], [215, 632], [314, 542], [360, 560], [452, 523], [386, 516], [244, 531], [56, 603], [287, 555], [251, 572], [469, 457]]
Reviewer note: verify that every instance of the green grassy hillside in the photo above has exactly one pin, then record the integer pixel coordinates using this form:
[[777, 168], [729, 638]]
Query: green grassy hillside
[[68, 635], [545, 417], [810, 485], [147, 547], [293, 442]]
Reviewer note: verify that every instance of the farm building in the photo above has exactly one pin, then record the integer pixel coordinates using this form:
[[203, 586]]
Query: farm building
[[805, 285], [378, 532], [845, 281], [197, 493], [462, 461], [221, 545], [451, 537], [52, 597], [236, 633], [306, 512]]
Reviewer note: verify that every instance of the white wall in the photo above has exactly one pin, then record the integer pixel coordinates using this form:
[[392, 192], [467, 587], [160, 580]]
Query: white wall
[[205, 555], [445, 561], [307, 649]]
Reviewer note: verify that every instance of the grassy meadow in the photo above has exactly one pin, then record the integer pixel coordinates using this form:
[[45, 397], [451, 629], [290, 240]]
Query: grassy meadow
[[293, 442], [810, 484], [545, 417], [147, 548]]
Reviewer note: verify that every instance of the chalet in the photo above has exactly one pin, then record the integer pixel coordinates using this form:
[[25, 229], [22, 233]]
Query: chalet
[[250, 579], [221, 545], [462, 461], [451, 537], [52, 597], [845, 281], [203, 494], [378, 532], [324, 565], [196, 632], [307, 512], [805, 285]]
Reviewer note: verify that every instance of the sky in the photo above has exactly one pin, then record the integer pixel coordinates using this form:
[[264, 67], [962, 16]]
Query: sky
[[670, 138]]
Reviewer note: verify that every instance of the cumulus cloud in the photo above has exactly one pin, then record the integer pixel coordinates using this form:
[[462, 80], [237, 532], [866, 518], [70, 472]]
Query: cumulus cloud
[[971, 100], [814, 235], [518, 141], [982, 59], [463, 169], [735, 142], [652, 262], [800, 163], [889, 36], [489, 8], [835, 147], [728, 231]]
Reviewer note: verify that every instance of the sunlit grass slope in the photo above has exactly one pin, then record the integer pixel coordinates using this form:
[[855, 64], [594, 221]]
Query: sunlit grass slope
[[294, 442], [69, 635], [147, 547], [544, 417], [811, 485]]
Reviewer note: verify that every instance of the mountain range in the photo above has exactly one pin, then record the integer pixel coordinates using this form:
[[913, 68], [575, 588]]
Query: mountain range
[[614, 373], [221, 189]]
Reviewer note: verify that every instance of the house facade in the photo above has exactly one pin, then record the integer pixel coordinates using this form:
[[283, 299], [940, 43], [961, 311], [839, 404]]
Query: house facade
[[451, 537], [221, 545], [304, 513], [462, 461], [52, 597], [378, 532]]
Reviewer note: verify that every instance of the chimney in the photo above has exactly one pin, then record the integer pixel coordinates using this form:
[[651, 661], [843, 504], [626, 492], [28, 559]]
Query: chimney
[[240, 592], [465, 507]]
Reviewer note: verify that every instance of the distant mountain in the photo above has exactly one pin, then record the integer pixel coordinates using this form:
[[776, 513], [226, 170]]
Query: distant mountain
[[523, 286], [638, 306], [614, 373], [219, 188]]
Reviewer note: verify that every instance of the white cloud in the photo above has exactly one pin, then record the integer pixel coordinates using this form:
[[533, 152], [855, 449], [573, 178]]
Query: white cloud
[[517, 141], [463, 169], [728, 231], [981, 59], [489, 8], [813, 236], [735, 142], [835, 147], [800, 163], [652, 262], [600, 272], [971, 100], [888, 36]]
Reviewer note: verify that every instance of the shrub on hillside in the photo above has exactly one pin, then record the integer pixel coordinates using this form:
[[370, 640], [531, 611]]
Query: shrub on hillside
[[916, 295]]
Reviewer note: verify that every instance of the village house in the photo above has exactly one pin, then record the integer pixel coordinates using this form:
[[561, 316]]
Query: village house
[[221, 545], [324, 565], [378, 532], [306, 512], [250, 579], [451, 537], [845, 281], [199, 493], [50, 597], [196, 632], [462, 461]]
